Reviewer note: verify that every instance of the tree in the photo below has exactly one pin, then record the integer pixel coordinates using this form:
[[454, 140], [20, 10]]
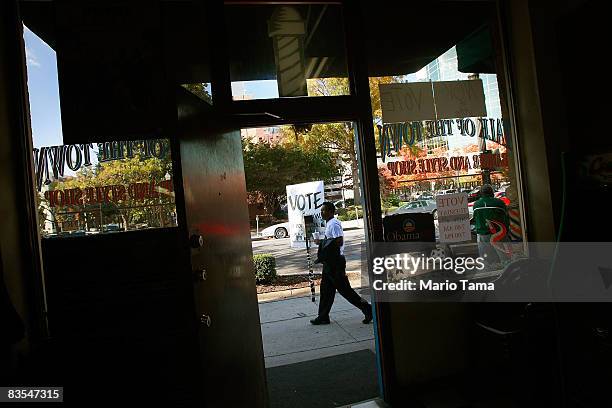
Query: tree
[[123, 172], [386, 181], [270, 168], [340, 137], [375, 94], [200, 90]]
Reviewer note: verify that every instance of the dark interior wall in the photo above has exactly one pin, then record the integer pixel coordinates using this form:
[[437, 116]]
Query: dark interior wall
[[569, 66], [18, 238], [430, 341], [569, 51], [576, 90], [583, 43], [557, 52]]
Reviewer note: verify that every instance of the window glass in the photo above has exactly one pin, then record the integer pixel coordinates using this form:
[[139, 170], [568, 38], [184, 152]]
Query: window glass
[[443, 130], [286, 51], [91, 188]]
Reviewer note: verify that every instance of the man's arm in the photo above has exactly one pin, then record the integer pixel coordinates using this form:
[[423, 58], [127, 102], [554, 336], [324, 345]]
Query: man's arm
[[339, 240]]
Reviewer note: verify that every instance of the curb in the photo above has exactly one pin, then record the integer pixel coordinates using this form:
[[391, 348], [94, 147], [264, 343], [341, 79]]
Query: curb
[[256, 238], [298, 292], [285, 294]]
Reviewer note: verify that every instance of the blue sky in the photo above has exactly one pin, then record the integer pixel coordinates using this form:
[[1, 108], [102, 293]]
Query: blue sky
[[255, 89], [43, 91]]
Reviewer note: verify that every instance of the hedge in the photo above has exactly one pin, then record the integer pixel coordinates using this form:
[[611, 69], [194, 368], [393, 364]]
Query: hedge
[[265, 268]]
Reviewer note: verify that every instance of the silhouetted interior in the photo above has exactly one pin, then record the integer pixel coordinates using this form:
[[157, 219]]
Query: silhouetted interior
[[531, 354]]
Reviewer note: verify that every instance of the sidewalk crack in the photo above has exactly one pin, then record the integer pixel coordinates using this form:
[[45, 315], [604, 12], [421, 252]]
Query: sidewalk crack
[[346, 331]]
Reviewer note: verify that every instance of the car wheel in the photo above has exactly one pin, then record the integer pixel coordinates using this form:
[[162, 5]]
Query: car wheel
[[280, 233]]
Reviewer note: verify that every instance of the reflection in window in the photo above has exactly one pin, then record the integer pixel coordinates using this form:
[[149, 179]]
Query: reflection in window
[[439, 152], [105, 187], [276, 50], [92, 188]]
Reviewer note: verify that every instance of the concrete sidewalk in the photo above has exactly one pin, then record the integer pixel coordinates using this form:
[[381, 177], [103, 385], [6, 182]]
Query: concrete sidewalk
[[288, 336]]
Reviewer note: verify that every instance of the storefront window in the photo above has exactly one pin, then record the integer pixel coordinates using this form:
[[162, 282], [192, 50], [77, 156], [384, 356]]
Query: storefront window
[[442, 133], [91, 188], [104, 187], [285, 50]]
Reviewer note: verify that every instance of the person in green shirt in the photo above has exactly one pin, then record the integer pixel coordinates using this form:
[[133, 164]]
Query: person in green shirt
[[492, 224]]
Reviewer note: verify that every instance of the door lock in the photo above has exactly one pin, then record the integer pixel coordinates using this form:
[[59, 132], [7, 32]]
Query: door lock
[[205, 319], [196, 241], [200, 275]]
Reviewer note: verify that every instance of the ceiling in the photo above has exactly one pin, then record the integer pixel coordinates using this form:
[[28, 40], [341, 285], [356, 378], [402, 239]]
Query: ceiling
[[401, 38]]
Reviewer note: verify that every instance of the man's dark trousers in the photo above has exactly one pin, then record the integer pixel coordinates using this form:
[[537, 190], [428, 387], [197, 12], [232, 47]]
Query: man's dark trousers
[[334, 277]]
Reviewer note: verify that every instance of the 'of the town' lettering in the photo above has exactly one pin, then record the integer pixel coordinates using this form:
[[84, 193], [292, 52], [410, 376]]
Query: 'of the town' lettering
[[394, 136], [50, 162]]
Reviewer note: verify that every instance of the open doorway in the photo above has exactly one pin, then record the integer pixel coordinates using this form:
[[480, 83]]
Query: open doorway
[[290, 171]]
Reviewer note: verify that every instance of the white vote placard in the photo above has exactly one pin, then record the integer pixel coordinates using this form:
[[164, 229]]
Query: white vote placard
[[407, 102], [459, 99], [302, 200], [453, 217]]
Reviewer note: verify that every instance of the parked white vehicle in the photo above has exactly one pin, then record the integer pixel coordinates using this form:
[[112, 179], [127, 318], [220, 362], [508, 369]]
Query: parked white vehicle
[[277, 231], [281, 230]]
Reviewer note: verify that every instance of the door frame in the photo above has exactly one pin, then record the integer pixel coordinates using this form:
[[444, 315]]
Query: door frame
[[355, 108]]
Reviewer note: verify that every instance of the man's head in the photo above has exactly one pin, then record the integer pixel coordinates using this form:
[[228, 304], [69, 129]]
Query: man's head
[[328, 210], [486, 190]]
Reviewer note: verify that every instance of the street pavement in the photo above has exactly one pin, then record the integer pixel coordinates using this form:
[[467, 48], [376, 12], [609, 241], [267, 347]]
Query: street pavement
[[288, 337], [290, 261]]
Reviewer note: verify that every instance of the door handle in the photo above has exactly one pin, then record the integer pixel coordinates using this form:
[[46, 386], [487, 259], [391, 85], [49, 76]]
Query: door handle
[[205, 319], [200, 275], [196, 241]]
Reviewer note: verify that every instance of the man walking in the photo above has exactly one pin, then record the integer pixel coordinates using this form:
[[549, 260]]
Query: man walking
[[331, 253]]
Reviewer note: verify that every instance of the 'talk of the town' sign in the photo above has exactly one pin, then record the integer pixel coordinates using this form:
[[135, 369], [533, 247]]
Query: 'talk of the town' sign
[[50, 162]]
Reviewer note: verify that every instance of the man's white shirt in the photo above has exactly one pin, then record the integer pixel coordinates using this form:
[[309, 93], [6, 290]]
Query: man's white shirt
[[333, 229]]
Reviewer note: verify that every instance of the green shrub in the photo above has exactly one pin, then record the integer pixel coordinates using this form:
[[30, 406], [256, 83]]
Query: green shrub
[[391, 201], [265, 268], [346, 217]]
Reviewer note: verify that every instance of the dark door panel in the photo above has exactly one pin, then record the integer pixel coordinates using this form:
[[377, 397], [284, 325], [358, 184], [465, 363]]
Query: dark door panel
[[121, 317]]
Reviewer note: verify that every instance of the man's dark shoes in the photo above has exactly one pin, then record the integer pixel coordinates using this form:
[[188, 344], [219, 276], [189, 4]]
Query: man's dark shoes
[[367, 312], [319, 320]]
